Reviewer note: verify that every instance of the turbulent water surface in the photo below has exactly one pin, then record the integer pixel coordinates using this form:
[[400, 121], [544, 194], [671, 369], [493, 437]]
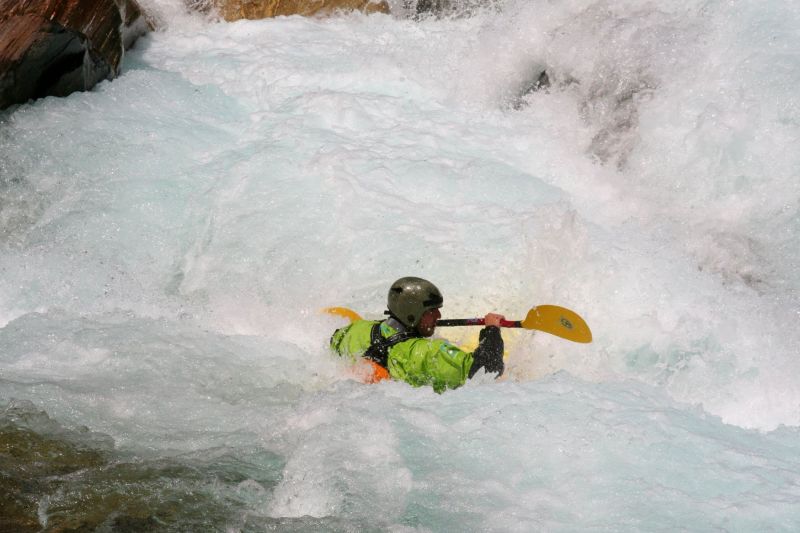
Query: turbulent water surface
[[167, 241]]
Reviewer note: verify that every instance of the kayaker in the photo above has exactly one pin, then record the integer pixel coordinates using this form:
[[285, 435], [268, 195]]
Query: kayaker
[[401, 346]]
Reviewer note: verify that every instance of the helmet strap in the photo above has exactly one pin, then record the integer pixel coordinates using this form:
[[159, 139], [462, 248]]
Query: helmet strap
[[400, 322]]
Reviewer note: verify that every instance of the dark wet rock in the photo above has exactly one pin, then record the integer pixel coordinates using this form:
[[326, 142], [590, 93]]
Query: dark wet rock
[[31, 462], [134, 22], [444, 8], [537, 82], [431, 6], [615, 108], [68, 480], [259, 9], [56, 47], [542, 82]]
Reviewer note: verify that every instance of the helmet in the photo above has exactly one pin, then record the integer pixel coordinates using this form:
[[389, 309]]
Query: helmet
[[410, 297]]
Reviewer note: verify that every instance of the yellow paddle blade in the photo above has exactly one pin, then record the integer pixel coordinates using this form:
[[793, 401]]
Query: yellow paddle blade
[[558, 321], [344, 312]]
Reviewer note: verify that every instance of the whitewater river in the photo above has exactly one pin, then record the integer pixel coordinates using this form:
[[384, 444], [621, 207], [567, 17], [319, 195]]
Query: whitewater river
[[168, 239]]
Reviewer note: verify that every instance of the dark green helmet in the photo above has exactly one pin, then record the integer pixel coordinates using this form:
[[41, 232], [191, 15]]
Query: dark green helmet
[[410, 297]]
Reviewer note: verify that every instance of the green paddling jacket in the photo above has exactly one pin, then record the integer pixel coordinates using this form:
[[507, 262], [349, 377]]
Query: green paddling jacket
[[422, 361]]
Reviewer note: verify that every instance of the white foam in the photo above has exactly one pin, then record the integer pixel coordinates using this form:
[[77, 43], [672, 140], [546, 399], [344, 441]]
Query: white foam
[[163, 264]]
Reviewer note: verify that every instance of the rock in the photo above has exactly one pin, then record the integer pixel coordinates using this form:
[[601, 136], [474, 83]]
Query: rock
[[61, 480], [257, 9], [539, 80], [55, 47], [134, 22], [435, 7], [444, 8]]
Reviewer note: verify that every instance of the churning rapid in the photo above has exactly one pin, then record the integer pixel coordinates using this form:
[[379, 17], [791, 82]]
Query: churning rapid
[[168, 239]]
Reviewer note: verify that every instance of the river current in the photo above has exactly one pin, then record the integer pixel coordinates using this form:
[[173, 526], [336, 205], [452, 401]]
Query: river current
[[168, 239]]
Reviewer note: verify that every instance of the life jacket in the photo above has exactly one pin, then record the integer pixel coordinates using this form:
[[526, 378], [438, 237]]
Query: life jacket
[[434, 362], [378, 352]]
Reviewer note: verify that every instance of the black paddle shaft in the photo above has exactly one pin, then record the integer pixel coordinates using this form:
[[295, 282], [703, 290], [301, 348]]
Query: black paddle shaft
[[476, 322]]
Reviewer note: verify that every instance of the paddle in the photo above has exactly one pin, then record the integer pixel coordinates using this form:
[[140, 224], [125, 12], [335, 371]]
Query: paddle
[[349, 314], [558, 321]]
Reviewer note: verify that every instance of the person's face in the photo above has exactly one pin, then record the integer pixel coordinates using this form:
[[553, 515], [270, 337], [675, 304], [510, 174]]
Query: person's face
[[428, 322]]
